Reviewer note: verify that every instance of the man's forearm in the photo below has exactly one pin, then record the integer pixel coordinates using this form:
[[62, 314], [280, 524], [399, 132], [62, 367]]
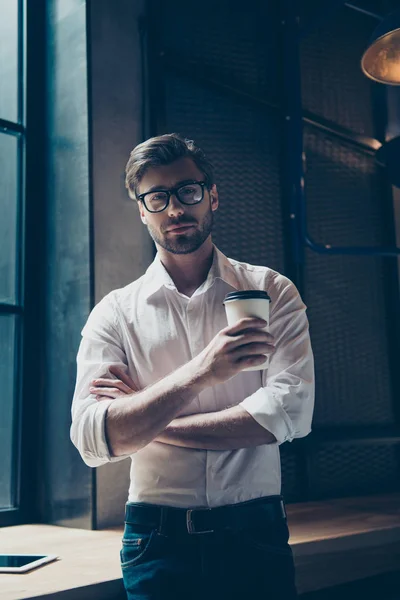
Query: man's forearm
[[228, 429], [135, 420]]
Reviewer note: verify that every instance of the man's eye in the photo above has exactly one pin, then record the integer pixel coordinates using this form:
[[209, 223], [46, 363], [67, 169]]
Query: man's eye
[[187, 191]]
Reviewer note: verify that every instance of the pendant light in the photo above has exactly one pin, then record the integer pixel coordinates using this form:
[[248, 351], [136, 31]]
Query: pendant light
[[381, 60]]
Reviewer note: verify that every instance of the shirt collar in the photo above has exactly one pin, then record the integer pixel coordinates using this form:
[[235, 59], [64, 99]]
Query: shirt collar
[[157, 276]]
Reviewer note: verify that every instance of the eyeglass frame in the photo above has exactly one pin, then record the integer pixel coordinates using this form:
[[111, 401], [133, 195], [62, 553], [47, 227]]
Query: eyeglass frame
[[174, 191]]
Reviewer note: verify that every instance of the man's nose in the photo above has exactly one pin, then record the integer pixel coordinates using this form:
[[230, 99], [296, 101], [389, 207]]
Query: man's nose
[[174, 206]]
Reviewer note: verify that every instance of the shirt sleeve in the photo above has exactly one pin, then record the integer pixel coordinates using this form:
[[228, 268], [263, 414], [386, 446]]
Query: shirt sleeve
[[99, 348], [284, 404]]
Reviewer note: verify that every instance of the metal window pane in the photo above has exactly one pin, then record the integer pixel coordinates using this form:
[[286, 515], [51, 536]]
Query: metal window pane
[[345, 295], [7, 409], [339, 470], [239, 51], [351, 209], [9, 60], [333, 84], [9, 215]]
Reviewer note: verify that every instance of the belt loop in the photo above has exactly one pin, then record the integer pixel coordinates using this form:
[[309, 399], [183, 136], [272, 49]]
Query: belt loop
[[283, 508], [163, 520]]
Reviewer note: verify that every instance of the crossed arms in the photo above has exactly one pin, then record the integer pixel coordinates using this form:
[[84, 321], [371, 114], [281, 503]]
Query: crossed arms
[[228, 429], [280, 410]]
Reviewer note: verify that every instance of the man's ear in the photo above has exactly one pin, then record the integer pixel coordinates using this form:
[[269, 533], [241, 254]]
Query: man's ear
[[142, 212], [214, 197]]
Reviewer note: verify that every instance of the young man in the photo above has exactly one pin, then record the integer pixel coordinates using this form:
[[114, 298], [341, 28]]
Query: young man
[[161, 379]]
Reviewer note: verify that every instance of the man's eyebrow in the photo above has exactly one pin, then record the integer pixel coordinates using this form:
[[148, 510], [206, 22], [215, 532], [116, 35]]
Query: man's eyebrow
[[163, 188]]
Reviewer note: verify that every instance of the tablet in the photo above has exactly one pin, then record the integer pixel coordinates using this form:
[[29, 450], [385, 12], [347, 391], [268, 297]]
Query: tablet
[[21, 563]]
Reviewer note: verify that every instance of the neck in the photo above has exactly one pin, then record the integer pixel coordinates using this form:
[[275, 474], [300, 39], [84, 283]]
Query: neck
[[188, 271]]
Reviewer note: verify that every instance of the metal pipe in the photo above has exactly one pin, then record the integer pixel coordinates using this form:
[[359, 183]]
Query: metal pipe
[[349, 250], [294, 136], [323, 15], [363, 11], [10, 309], [11, 127], [365, 143]]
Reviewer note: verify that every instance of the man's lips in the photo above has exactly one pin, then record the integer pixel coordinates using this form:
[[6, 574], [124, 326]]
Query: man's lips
[[180, 227]]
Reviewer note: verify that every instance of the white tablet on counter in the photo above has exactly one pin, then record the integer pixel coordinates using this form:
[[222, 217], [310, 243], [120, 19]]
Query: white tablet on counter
[[21, 563]]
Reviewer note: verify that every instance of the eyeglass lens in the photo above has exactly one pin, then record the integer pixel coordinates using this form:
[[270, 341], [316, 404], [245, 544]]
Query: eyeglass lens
[[188, 194]]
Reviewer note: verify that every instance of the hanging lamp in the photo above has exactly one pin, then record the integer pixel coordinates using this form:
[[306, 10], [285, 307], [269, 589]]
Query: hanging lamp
[[381, 60]]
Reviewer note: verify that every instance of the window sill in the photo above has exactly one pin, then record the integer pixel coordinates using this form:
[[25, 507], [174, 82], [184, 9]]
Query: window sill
[[88, 565], [324, 537]]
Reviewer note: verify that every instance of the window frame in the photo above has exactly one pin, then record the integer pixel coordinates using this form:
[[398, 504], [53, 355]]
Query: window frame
[[28, 306]]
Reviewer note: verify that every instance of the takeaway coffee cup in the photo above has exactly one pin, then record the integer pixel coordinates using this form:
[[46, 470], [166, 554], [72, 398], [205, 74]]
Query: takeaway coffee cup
[[248, 303]]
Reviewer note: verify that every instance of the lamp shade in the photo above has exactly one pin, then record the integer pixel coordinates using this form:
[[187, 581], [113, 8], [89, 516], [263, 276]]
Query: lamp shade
[[381, 60]]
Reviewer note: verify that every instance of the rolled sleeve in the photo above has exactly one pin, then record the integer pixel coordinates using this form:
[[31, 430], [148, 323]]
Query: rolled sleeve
[[100, 348], [284, 404], [88, 432]]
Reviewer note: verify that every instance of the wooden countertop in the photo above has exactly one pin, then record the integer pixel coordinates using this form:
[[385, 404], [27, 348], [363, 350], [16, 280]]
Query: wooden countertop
[[343, 540], [86, 558], [323, 538]]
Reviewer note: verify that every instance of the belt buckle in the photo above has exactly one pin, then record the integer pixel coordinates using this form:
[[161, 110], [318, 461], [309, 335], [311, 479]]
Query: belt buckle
[[190, 524]]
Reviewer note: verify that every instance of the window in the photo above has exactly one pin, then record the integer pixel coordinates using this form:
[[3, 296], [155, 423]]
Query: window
[[12, 144]]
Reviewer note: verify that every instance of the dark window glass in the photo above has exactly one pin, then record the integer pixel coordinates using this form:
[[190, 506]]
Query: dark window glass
[[8, 405], [9, 215], [9, 60]]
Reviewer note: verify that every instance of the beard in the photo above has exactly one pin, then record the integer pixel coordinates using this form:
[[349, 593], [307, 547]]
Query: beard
[[185, 243]]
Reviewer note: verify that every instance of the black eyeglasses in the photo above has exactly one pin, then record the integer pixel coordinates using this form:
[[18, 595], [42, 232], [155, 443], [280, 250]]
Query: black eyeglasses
[[190, 193]]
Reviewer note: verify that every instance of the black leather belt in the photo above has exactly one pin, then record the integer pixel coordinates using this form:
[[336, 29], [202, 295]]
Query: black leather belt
[[168, 520]]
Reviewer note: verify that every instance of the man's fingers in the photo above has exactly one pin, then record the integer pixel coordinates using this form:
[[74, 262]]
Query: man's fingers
[[112, 383], [123, 376], [108, 392], [246, 323]]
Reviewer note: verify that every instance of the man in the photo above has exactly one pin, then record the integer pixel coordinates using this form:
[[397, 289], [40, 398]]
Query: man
[[161, 379]]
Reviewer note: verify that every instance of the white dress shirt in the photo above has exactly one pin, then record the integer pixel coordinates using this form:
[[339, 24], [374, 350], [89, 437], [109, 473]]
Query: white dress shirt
[[150, 329]]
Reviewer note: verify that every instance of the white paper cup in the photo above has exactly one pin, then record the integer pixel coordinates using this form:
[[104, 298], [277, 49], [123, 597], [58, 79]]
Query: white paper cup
[[248, 303]]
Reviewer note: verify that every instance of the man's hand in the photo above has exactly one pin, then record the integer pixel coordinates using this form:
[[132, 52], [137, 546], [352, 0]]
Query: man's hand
[[113, 388], [233, 349]]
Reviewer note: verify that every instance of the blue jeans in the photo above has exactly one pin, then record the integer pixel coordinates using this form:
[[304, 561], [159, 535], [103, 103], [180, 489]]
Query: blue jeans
[[245, 564]]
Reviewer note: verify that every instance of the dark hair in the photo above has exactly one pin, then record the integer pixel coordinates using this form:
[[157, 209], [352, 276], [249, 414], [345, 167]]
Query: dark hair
[[163, 150]]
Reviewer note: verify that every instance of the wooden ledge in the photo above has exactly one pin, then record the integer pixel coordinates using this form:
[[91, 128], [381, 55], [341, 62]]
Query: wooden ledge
[[88, 566], [324, 536], [346, 539]]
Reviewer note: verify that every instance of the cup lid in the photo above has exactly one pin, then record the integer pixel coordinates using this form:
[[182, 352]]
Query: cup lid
[[247, 295]]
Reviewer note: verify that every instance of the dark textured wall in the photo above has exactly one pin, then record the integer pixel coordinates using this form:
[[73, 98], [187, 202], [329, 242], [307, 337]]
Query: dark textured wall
[[122, 247]]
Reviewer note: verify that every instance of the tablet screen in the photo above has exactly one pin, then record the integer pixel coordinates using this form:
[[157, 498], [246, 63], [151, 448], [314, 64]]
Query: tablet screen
[[20, 560]]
